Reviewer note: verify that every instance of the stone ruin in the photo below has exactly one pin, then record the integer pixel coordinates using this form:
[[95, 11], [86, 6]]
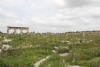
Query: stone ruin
[[94, 32], [15, 28]]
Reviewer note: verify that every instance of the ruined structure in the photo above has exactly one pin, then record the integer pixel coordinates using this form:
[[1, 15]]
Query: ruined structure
[[16, 28]]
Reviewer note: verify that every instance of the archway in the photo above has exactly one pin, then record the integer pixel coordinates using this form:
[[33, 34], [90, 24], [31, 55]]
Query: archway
[[24, 31], [11, 31], [17, 29]]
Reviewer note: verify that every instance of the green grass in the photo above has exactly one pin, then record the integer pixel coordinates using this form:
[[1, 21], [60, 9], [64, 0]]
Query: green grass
[[82, 55]]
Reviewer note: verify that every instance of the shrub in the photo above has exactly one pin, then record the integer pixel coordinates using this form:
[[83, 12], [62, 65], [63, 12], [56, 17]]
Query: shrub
[[70, 46], [2, 64], [21, 38], [63, 50], [94, 63]]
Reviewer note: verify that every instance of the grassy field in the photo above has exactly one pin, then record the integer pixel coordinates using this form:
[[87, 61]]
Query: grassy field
[[86, 55]]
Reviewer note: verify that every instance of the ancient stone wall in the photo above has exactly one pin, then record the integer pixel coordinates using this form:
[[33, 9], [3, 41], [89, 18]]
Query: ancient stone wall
[[16, 28]]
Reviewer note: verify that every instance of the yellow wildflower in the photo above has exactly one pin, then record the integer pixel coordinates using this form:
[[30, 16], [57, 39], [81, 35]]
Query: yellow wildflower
[[96, 44]]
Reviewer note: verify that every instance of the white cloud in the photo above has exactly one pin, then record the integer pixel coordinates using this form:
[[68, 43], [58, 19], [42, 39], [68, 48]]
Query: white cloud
[[60, 4], [4, 14], [51, 15]]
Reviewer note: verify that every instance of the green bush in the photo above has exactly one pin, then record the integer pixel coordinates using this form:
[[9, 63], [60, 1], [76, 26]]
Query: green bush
[[2, 64], [63, 50], [70, 46], [90, 63]]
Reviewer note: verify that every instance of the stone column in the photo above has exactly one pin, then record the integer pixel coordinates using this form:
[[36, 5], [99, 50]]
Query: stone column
[[4, 38], [27, 31], [14, 31], [83, 36], [21, 31], [7, 31], [83, 39]]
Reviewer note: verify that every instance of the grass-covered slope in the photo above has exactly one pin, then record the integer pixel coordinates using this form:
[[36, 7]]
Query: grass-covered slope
[[83, 55]]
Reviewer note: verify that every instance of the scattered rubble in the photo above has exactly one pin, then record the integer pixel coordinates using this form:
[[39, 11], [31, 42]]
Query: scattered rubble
[[84, 42], [37, 46], [6, 47], [64, 54], [7, 40], [87, 42], [59, 47], [55, 48], [68, 42], [91, 41], [54, 51], [62, 41]]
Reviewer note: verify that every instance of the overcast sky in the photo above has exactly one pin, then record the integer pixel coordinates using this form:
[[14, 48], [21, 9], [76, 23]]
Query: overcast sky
[[50, 15]]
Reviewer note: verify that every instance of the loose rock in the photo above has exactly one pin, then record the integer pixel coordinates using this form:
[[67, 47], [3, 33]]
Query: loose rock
[[55, 48], [54, 51], [64, 54], [87, 42], [7, 40], [62, 41], [6, 47], [91, 41]]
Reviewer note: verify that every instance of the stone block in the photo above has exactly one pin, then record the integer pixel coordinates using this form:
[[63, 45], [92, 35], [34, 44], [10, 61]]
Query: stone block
[[4, 38], [69, 43], [7, 40], [91, 41], [55, 48], [6, 47], [64, 54], [87, 42], [54, 51], [62, 41]]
